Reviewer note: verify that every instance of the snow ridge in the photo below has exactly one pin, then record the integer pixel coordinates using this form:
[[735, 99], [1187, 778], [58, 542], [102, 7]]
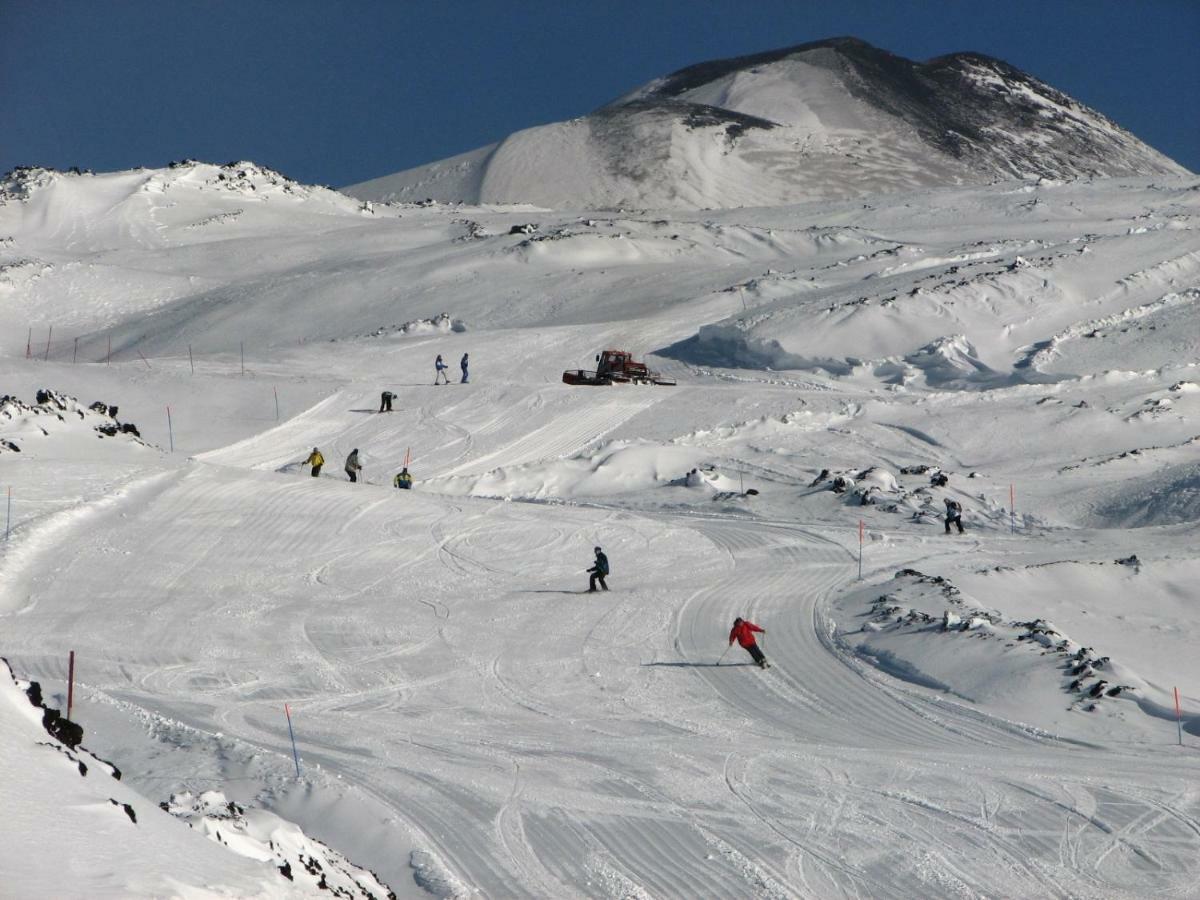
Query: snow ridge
[[828, 119]]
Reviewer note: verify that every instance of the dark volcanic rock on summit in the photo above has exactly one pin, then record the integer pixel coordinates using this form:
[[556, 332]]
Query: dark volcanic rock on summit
[[829, 119]]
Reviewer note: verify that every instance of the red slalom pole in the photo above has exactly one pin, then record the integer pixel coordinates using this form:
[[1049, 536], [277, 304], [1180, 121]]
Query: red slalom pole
[[70, 684]]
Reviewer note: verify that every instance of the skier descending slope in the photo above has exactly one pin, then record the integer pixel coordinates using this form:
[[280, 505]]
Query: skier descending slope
[[599, 571], [743, 632]]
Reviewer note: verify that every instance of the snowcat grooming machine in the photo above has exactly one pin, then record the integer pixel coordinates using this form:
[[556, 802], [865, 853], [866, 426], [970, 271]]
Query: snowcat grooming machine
[[615, 367]]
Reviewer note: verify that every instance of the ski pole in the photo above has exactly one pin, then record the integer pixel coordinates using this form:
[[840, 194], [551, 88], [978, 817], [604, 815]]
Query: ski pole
[[723, 654]]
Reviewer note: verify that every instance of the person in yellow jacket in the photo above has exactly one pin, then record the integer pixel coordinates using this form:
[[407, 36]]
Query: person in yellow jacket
[[403, 480], [316, 460]]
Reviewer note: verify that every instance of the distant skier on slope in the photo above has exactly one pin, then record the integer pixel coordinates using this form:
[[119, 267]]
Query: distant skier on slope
[[353, 466], [743, 632], [440, 365], [403, 480], [953, 515], [316, 460], [599, 572], [385, 401], [463, 365]]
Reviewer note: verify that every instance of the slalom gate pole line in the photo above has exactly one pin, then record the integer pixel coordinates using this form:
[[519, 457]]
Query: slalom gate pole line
[[1178, 717], [276, 391], [1012, 509], [146, 361], [70, 684], [29, 345], [75, 353], [8, 520], [108, 356], [292, 735], [242, 350], [191, 362], [46, 355], [170, 429]]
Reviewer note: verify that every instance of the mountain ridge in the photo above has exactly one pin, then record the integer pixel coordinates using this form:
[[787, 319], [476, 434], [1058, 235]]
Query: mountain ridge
[[828, 119]]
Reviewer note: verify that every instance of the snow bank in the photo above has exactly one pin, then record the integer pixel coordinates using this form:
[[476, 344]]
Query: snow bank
[[615, 468], [78, 831]]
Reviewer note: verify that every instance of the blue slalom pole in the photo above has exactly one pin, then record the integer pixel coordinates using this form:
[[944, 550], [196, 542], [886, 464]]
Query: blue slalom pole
[[292, 734]]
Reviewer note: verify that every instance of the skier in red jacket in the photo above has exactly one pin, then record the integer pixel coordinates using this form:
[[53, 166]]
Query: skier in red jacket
[[743, 632]]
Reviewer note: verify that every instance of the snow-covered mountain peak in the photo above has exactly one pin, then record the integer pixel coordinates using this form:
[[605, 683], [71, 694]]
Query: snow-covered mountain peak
[[829, 119]]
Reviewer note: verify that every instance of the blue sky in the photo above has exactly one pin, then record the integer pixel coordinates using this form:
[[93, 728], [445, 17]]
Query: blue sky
[[338, 92]]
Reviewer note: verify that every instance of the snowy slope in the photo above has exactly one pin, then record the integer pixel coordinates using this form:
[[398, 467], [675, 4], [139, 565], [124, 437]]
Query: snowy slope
[[830, 119], [107, 840], [469, 722]]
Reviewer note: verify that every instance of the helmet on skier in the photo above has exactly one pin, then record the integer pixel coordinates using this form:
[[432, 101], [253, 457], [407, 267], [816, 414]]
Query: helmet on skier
[[738, 621], [598, 550]]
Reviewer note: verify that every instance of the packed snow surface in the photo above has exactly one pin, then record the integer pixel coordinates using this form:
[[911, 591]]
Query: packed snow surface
[[980, 715]]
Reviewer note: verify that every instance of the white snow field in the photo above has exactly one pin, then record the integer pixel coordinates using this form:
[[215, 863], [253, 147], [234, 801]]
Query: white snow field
[[996, 721]]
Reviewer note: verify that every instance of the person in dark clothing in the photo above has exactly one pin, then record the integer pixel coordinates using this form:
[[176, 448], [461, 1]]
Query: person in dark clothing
[[353, 466], [953, 515], [440, 366], [385, 401], [316, 460], [599, 572], [463, 365], [743, 632]]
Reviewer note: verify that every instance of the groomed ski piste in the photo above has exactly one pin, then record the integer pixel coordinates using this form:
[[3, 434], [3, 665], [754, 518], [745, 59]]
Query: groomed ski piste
[[469, 721]]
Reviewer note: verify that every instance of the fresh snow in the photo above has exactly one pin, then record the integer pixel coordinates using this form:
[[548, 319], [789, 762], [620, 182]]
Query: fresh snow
[[470, 722]]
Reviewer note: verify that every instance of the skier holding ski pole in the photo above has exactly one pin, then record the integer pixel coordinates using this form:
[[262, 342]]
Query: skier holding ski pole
[[743, 632]]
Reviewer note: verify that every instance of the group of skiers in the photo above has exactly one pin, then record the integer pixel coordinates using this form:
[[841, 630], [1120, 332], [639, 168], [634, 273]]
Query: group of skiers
[[439, 366], [316, 459], [402, 480]]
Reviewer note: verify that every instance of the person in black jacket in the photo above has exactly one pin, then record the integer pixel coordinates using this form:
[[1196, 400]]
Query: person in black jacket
[[953, 515], [599, 571]]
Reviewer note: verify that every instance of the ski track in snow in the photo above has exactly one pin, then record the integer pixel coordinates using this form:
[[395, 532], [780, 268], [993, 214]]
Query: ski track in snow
[[516, 817], [518, 737]]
